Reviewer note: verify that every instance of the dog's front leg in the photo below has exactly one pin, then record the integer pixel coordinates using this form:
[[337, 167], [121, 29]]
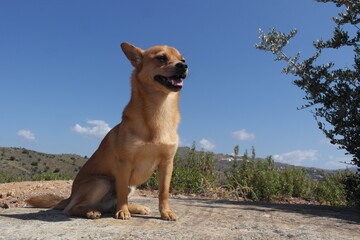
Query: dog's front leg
[[165, 172], [122, 183]]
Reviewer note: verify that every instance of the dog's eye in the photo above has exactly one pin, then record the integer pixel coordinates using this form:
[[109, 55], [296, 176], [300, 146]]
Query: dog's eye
[[161, 58]]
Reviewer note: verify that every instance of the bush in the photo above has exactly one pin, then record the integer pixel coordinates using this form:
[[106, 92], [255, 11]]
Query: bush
[[24, 151], [6, 177], [295, 182], [331, 190], [260, 180], [34, 163], [351, 183], [196, 174], [254, 179], [49, 177]]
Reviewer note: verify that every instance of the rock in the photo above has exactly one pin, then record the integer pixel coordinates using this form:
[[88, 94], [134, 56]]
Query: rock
[[198, 219], [10, 193], [5, 205]]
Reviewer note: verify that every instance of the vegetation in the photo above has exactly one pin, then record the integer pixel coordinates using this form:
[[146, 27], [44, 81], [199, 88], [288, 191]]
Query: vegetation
[[331, 190], [351, 184], [23, 164], [255, 179], [260, 180], [50, 176], [334, 93], [197, 172], [194, 175], [8, 177]]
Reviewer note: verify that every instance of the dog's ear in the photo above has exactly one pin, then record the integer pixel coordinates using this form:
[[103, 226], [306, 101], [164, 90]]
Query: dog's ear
[[134, 54]]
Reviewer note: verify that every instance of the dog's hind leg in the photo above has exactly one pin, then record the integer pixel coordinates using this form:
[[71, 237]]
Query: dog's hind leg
[[62, 205], [87, 196], [87, 212]]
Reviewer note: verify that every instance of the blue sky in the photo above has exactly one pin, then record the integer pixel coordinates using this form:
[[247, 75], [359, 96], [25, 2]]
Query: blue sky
[[64, 80]]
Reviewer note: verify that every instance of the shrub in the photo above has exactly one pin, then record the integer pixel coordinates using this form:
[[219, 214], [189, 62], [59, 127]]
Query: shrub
[[24, 151], [196, 174], [331, 190], [34, 163], [49, 177], [351, 183], [260, 180], [295, 182], [7, 177]]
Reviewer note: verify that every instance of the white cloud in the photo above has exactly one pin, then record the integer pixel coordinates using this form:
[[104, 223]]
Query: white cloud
[[184, 143], [27, 135], [243, 135], [338, 162], [335, 165], [206, 144], [296, 157], [99, 129]]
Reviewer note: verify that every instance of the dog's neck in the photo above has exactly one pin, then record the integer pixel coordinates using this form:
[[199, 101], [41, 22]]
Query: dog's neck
[[159, 111]]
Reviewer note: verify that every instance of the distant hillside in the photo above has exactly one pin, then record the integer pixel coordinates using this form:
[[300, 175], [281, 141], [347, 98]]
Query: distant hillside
[[24, 164]]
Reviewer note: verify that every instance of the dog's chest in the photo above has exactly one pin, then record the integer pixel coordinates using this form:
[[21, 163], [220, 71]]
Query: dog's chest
[[147, 158]]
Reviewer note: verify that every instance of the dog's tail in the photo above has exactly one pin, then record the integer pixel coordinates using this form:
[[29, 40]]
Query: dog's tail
[[48, 201]]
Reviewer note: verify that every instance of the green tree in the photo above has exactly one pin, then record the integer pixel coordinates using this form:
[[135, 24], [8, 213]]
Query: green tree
[[333, 93]]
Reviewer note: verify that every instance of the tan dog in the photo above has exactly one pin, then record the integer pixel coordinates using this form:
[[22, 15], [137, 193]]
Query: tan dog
[[146, 139]]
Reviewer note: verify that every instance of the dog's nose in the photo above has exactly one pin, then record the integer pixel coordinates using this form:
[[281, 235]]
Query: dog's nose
[[181, 66]]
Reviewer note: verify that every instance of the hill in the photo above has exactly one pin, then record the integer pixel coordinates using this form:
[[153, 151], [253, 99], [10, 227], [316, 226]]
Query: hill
[[24, 164]]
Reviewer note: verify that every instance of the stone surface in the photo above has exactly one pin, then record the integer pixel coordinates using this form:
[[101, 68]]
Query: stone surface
[[198, 219]]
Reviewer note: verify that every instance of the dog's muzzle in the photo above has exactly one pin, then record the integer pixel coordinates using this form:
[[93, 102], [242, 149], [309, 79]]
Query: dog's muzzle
[[175, 82]]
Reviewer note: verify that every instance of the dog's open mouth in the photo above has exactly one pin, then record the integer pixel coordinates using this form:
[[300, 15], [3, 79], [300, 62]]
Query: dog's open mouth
[[173, 83]]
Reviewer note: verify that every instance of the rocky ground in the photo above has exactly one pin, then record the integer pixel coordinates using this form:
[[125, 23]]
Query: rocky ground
[[198, 219]]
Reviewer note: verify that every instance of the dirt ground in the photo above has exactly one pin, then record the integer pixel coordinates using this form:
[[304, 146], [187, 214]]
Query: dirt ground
[[198, 219]]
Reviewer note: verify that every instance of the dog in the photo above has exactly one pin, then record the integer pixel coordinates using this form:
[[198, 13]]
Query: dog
[[144, 140]]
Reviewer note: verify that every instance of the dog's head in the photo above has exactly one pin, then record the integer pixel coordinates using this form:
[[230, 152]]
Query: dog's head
[[161, 67]]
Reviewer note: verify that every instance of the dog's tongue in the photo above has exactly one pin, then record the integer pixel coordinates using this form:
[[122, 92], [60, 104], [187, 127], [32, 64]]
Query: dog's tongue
[[176, 82]]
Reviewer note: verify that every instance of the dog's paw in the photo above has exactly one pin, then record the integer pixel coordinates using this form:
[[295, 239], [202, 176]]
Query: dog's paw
[[168, 215], [138, 209], [145, 211], [93, 214], [123, 214]]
